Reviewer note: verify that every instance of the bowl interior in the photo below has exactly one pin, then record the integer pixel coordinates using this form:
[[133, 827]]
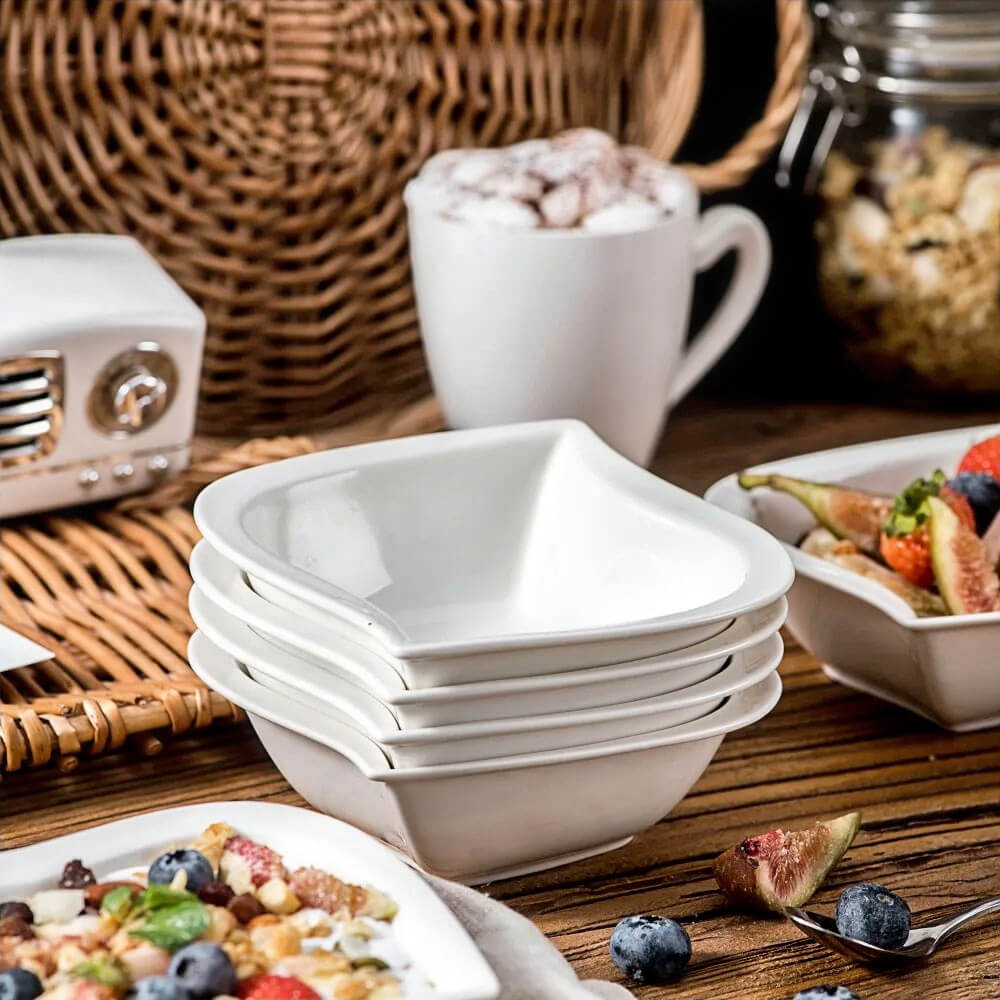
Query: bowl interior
[[507, 537]]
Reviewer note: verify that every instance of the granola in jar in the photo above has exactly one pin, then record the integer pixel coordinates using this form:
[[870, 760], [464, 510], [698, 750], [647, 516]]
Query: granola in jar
[[909, 258]]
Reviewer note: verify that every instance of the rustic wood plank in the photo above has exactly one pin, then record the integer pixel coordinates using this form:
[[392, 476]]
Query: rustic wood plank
[[930, 799]]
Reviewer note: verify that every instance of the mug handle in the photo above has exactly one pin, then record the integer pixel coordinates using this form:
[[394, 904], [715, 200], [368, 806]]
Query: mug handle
[[722, 228]]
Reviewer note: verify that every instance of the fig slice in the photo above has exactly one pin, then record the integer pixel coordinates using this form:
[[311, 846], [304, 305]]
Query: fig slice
[[963, 570], [824, 545], [855, 515], [780, 868]]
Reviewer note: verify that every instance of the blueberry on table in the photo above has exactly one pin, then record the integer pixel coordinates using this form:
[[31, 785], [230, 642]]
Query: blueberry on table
[[197, 867], [650, 949], [204, 970], [19, 984], [871, 913], [159, 988], [827, 993]]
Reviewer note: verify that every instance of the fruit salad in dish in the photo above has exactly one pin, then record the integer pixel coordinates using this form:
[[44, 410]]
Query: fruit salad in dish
[[221, 917], [936, 544]]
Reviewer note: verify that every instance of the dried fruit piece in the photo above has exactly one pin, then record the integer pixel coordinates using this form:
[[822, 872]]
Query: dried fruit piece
[[962, 569], [245, 864], [823, 544], [76, 875], [245, 907], [991, 540], [853, 514], [780, 869], [326, 892]]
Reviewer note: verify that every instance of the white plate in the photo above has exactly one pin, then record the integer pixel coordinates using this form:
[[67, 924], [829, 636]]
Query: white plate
[[946, 668], [495, 552], [428, 932], [351, 705], [485, 819], [356, 663]]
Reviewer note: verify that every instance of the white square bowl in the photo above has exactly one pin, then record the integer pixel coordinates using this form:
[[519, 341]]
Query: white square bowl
[[225, 586], [490, 553], [351, 705], [491, 819], [946, 668], [426, 929]]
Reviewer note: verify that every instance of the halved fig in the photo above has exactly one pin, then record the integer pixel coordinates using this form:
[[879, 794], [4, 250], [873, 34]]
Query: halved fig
[[856, 515], [825, 545], [992, 542], [780, 869], [963, 570]]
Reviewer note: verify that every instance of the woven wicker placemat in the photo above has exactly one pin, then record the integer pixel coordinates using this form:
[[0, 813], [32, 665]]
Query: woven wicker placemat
[[105, 589]]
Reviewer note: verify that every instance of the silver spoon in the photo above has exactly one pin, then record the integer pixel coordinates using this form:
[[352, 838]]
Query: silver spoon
[[921, 942]]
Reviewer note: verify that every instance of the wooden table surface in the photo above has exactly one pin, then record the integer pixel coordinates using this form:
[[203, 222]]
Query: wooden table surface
[[930, 799]]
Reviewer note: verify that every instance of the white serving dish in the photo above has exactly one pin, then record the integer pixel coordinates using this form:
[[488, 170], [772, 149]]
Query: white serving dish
[[226, 587], [490, 553], [426, 929], [351, 705], [946, 668], [485, 819]]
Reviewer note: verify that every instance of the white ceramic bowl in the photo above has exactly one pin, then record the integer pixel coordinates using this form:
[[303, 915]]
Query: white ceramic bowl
[[425, 928], [946, 669], [498, 552], [351, 705], [487, 819], [224, 585]]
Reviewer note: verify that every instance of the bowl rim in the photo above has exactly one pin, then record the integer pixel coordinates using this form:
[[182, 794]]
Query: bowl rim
[[218, 515], [222, 672], [817, 569], [238, 640], [225, 586]]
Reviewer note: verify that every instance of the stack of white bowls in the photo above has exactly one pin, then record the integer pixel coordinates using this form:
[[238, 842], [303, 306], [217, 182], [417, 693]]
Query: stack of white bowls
[[498, 650]]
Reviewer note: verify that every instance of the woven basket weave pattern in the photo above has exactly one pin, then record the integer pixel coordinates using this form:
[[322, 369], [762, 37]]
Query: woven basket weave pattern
[[259, 148]]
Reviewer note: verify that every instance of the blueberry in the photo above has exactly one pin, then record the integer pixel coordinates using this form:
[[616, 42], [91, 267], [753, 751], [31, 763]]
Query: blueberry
[[204, 970], [198, 867], [983, 493], [19, 984], [827, 993], [871, 913], [159, 988], [650, 949]]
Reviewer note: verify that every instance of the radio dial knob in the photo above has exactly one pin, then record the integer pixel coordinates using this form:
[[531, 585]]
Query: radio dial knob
[[133, 390]]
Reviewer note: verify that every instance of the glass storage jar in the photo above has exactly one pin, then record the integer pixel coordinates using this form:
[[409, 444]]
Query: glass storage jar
[[906, 166]]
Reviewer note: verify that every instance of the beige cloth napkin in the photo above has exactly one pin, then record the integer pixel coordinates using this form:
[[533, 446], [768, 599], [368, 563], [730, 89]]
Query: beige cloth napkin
[[527, 965]]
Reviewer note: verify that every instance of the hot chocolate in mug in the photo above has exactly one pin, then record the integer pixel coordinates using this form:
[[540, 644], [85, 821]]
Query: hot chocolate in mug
[[529, 324]]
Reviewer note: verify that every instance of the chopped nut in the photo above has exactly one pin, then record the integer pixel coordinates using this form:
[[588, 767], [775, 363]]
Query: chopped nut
[[276, 897], [223, 923], [212, 842]]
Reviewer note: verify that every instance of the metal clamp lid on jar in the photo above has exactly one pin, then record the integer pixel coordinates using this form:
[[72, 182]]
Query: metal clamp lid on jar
[[903, 50]]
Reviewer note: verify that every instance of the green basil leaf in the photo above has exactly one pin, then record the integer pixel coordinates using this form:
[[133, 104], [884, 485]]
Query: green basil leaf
[[100, 971], [117, 903], [157, 896], [172, 927]]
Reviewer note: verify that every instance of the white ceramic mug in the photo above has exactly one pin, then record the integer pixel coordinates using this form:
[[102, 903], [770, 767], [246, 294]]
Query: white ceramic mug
[[529, 324]]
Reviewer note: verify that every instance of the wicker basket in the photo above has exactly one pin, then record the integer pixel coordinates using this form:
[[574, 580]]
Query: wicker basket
[[259, 147]]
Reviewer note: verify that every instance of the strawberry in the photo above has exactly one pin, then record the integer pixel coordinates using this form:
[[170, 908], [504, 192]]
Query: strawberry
[[983, 457], [275, 988], [245, 864], [905, 542]]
